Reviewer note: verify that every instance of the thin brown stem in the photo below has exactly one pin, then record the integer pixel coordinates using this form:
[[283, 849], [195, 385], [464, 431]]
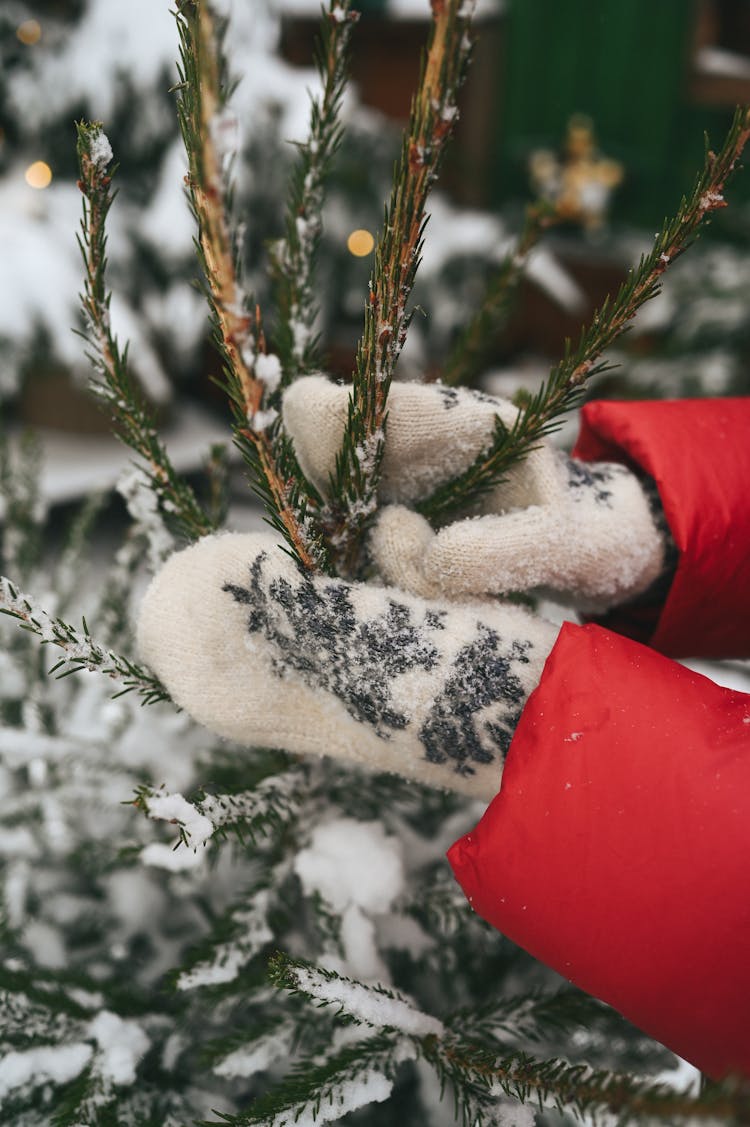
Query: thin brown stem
[[239, 334], [386, 322], [215, 238]]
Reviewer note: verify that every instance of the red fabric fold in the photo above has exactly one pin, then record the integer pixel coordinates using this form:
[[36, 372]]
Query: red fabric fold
[[698, 452], [618, 848]]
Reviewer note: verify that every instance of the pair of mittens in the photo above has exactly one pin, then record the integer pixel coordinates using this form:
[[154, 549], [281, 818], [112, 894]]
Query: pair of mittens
[[424, 675]]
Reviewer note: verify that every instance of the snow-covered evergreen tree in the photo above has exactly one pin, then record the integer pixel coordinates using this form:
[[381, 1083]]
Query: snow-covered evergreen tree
[[195, 929]]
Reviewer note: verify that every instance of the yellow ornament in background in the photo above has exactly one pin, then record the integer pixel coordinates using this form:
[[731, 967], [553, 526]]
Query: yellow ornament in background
[[580, 184]]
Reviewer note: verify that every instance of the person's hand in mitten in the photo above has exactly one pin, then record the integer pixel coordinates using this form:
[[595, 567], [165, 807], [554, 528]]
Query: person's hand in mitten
[[617, 848], [263, 654], [583, 533]]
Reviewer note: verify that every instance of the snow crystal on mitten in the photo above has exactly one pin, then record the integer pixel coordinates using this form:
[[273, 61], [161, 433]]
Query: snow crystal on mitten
[[262, 653]]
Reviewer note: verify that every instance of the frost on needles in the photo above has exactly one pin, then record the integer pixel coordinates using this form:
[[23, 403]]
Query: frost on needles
[[274, 941]]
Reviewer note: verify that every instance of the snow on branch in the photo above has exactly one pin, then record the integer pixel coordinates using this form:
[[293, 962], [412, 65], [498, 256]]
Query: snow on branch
[[318, 1092], [79, 650], [376, 1006], [259, 1054], [113, 384], [227, 958], [273, 802]]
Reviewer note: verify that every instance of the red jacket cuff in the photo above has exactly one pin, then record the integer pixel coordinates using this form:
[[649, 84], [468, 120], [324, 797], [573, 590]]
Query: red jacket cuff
[[617, 850], [698, 453]]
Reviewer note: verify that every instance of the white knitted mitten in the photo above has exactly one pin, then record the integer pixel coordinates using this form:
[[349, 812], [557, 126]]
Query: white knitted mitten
[[263, 654], [584, 533]]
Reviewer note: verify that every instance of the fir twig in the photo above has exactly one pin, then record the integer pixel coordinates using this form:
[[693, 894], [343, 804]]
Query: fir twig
[[373, 1005], [476, 1071], [250, 374], [67, 572], [273, 802], [397, 257], [217, 471], [242, 934], [113, 384], [565, 385], [294, 255], [474, 346], [22, 506], [318, 1092], [80, 650]]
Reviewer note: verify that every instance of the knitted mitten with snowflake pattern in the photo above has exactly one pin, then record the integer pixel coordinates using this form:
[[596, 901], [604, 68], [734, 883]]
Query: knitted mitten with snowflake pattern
[[263, 654]]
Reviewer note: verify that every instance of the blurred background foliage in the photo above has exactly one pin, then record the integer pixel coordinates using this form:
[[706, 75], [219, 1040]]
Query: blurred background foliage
[[648, 78]]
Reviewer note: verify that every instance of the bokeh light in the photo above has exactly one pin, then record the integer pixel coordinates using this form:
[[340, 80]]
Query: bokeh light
[[29, 32], [38, 175], [360, 243]]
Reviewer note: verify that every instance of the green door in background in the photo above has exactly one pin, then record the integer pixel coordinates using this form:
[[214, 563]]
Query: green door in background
[[625, 63]]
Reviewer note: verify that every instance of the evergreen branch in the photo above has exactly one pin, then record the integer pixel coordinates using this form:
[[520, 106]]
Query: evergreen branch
[[274, 802], [534, 1016], [80, 650], [251, 375], [204, 122], [373, 1005], [68, 566], [148, 520], [474, 347], [217, 471], [592, 1030], [397, 256], [291, 502], [315, 1092], [565, 385], [24, 509], [225, 958], [238, 1056], [111, 617], [440, 907], [293, 256], [476, 1071], [27, 1021], [113, 385]]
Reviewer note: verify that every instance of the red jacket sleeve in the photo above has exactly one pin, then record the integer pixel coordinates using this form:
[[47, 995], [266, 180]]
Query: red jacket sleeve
[[618, 848], [698, 452]]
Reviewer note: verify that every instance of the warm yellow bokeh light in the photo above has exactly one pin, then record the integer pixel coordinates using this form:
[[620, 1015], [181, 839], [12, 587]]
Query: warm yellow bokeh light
[[29, 32], [360, 243], [38, 175]]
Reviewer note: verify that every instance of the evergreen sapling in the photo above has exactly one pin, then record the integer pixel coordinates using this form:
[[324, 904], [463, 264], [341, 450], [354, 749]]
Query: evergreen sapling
[[192, 1007]]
